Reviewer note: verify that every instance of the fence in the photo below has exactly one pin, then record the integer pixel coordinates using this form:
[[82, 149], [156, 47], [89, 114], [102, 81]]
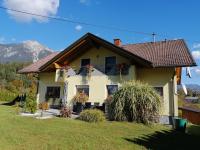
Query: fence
[[192, 115]]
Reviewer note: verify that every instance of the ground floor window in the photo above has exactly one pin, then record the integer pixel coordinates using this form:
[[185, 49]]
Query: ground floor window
[[83, 89], [159, 90], [111, 89], [53, 92]]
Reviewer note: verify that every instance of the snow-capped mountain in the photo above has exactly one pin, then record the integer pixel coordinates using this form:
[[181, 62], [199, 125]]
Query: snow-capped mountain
[[23, 52]]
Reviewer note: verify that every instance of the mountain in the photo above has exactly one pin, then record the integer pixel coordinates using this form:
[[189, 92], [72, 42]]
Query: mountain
[[23, 52], [193, 87]]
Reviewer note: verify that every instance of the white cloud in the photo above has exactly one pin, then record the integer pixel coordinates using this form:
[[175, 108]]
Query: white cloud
[[13, 40], [196, 54], [197, 70], [41, 7], [85, 2], [78, 28], [2, 40], [89, 2], [196, 45]]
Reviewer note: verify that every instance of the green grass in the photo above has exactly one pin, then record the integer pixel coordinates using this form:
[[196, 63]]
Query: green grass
[[6, 95], [18, 132]]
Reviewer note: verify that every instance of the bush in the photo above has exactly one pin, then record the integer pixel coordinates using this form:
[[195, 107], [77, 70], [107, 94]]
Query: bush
[[65, 112], [31, 104], [135, 101], [92, 115]]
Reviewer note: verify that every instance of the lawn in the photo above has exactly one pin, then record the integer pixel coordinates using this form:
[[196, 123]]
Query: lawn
[[18, 132]]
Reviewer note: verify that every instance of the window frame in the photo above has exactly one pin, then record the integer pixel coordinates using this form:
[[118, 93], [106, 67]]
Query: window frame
[[111, 85], [162, 91], [85, 59], [57, 96], [114, 65], [88, 94]]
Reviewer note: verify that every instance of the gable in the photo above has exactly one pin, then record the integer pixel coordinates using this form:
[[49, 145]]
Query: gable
[[97, 57], [84, 44]]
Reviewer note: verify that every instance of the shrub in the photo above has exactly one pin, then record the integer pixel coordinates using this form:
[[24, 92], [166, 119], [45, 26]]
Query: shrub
[[92, 115], [65, 112], [135, 101], [31, 104]]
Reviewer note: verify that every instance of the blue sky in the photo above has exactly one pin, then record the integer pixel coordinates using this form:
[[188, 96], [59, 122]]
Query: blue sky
[[170, 18]]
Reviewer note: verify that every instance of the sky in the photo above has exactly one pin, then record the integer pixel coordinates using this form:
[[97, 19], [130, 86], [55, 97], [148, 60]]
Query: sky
[[169, 19]]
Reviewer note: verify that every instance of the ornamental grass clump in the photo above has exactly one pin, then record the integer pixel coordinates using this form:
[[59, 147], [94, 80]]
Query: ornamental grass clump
[[135, 101], [92, 115]]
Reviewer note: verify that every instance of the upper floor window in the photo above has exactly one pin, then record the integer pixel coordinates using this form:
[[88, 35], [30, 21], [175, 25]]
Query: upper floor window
[[85, 62], [110, 65], [53, 92], [83, 69], [159, 90]]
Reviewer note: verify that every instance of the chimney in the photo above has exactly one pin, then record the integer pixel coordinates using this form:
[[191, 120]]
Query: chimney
[[117, 42]]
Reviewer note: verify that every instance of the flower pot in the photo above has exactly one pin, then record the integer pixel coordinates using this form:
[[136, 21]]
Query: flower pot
[[88, 105], [180, 124]]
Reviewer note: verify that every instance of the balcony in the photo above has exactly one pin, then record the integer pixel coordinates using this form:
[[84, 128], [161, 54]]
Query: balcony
[[112, 70], [122, 69]]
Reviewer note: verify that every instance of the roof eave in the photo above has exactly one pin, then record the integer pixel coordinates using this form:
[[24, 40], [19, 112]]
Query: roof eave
[[168, 66]]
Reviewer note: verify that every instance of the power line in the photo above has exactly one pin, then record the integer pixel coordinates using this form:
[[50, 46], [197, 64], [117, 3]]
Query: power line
[[93, 25], [76, 22]]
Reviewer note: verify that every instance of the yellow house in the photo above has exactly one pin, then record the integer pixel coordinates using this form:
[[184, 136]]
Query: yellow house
[[97, 68]]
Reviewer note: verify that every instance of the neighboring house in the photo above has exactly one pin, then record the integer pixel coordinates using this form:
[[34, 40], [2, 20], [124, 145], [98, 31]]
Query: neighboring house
[[98, 67], [192, 99]]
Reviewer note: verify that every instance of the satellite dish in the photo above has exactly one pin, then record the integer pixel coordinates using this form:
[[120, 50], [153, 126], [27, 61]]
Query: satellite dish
[[184, 88], [188, 72]]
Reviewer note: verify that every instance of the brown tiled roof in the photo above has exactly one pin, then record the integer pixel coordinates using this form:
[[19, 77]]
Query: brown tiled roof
[[34, 68], [170, 53]]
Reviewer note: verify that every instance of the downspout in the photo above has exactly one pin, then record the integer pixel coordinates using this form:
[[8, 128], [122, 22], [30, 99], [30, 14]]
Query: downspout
[[173, 99], [173, 88], [65, 93], [37, 90]]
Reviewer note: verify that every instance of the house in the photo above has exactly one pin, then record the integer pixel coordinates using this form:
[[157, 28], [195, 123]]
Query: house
[[98, 67], [192, 99]]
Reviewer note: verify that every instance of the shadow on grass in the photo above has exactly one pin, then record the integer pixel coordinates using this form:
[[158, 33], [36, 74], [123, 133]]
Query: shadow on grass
[[12, 102], [165, 140]]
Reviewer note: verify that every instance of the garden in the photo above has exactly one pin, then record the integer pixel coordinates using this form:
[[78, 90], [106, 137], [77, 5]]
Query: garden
[[130, 123]]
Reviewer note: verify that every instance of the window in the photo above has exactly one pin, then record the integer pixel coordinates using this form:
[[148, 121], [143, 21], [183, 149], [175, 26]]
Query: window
[[85, 62], [110, 65], [159, 90], [112, 89], [83, 69], [83, 89], [53, 92]]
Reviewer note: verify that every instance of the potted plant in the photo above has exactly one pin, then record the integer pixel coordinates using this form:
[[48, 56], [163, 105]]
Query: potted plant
[[80, 98], [65, 112]]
